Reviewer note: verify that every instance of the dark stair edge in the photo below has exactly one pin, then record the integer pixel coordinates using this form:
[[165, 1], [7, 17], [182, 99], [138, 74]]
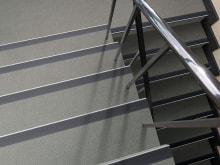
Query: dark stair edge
[[58, 86], [178, 98], [168, 20], [52, 37], [145, 157], [193, 140], [167, 76], [69, 123], [57, 57], [199, 159], [202, 41]]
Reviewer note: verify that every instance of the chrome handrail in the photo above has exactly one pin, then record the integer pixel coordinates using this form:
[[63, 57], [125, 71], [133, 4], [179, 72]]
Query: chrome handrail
[[204, 77]]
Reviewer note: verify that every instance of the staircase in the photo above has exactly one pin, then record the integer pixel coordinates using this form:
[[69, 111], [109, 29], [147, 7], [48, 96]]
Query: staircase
[[64, 98]]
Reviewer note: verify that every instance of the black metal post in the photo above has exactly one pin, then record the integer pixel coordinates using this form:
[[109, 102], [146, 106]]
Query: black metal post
[[142, 51]]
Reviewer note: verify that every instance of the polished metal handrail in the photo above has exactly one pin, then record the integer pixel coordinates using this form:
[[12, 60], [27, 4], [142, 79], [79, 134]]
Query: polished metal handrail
[[203, 76]]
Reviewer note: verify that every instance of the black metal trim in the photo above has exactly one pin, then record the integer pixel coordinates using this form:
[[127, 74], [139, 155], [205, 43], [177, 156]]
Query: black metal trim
[[142, 50], [202, 41], [199, 159], [171, 19], [166, 76], [206, 114], [209, 48], [192, 140], [178, 98]]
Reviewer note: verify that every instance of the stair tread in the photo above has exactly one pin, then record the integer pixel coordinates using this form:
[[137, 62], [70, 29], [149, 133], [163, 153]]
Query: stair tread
[[181, 109], [72, 91], [83, 39], [56, 101], [173, 87], [188, 32], [88, 144], [192, 151], [56, 16], [168, 63], [57, 68], [172, 21], [161, 155], [169, 136], [171, 8], [206, 162]]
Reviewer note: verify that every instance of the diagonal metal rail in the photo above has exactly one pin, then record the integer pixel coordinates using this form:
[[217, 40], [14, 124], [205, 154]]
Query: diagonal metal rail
[[147, 66]]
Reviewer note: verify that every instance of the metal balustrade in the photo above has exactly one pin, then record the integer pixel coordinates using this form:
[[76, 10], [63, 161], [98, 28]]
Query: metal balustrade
[[201, 74]]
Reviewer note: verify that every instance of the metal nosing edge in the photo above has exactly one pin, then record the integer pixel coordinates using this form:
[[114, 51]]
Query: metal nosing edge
[[193, 140], [164, 76], [167, 20], [198, 159], [145, 157], [72, 122], [203, 160], [151, 52], [197, 116], [47, 38], [170, 77], [58, 57], [63, 85], [178, 98], [167, 76]]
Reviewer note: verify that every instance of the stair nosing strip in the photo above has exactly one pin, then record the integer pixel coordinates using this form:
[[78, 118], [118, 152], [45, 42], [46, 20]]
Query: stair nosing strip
[[164, 76], [184, 97], [57, 57], [69, 123], [208, 136], [149, 156], [53, 87], [167, 76], [177, 75], [152, 52], [210, 156], [47, 38], [169, 20], [202, 160]]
